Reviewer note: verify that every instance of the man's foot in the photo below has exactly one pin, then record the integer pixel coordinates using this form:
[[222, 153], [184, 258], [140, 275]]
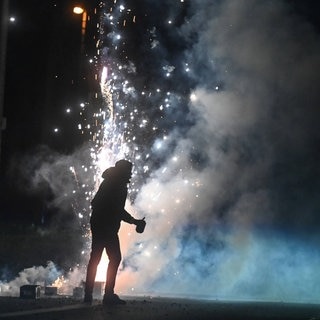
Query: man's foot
[[87, 298], [112, 299]]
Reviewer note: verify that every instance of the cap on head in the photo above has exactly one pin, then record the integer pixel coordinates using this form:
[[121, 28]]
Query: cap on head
[[124, 165]]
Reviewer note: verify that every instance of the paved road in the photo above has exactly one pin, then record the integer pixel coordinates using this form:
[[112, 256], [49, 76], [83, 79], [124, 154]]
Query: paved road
[[147, 308]]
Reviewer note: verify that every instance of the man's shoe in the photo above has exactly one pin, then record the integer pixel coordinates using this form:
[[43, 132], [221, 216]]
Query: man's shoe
[[112, 299]]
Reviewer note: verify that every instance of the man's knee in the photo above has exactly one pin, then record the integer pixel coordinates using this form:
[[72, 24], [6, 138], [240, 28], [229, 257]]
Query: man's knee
[[95, 257], [94, 261], [117, 258]]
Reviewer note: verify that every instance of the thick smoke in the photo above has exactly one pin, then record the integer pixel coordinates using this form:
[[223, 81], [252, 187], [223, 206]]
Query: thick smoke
[[65, 181], [34, 275], [230, 208], [44, 276]]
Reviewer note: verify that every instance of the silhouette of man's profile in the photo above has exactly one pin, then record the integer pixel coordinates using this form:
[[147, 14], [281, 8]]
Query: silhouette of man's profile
[[107, 213]]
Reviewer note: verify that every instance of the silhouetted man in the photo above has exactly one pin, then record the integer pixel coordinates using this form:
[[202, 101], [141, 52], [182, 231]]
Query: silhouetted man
[[107, 213]]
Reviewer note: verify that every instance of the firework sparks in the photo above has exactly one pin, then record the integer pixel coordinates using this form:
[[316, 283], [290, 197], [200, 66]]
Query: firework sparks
[[188, 100], [126, 124]]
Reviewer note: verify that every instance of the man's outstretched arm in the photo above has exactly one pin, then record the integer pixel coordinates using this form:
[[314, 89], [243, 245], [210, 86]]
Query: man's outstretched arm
[[140, 223], [127, 217]]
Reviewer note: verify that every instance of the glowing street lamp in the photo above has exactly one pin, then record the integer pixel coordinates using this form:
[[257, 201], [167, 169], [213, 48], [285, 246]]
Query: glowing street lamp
[[83, 12], [78, 10]]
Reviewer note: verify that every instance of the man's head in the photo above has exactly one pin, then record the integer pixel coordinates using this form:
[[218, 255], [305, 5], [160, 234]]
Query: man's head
[[124, 168]]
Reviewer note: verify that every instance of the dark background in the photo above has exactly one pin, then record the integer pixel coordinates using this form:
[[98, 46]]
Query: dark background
[[47, 71]]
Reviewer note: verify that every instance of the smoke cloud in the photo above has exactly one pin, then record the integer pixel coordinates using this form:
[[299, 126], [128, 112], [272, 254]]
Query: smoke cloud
[[230, 209], [34, 275], [231, 206]]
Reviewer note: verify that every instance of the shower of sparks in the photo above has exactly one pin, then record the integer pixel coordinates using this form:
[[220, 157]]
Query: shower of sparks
[[160, 104], [132, 114], [127, 116]]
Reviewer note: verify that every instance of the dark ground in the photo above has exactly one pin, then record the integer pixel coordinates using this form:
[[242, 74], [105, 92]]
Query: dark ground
[[64, 308]]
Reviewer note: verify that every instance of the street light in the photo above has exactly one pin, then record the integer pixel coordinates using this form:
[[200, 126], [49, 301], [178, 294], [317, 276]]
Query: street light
[[81, 10], [78, 10]]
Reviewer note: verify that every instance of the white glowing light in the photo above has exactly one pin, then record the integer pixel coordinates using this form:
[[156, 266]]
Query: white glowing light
[[78, 10], [12, 19], [193, 97], [111, 129], [56, 130], [104, 75], [143, 124]]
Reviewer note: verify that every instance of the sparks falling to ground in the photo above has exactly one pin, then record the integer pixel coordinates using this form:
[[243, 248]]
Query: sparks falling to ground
[[133, 110], [197, 94]]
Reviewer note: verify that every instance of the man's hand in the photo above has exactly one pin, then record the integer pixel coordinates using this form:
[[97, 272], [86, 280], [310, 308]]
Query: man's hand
[[140, 225]]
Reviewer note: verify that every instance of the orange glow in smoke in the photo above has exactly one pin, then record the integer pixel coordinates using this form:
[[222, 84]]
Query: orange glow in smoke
[[126, 280], [102, 268]]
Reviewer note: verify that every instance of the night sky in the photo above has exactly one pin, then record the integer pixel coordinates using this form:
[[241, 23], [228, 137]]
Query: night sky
[[217, 105], [43, 81]]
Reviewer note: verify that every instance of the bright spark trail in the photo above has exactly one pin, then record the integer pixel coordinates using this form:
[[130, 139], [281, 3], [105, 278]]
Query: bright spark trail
[[137, 106], [139, 100], [197, 94]]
